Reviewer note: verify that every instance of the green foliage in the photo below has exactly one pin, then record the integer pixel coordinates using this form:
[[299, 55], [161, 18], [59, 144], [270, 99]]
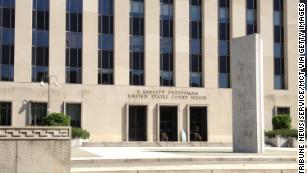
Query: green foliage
[[282, 121], [56, 119], [287, 133], [79, 133]]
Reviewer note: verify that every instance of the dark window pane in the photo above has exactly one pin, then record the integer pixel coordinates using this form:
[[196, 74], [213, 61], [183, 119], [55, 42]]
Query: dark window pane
[[73, 58], [74, 112], [38, 111], [5, 113], [73, 22], [40, 20], [7, 18], [79, 23]]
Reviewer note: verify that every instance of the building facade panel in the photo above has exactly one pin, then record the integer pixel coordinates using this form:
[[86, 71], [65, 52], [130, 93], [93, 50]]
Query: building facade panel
[[57, 39], [181, 42], [121, 42], [266, 30], [90, 42], [103, 109], [152, 42], [238, 19], [210, 43], [23, 41]]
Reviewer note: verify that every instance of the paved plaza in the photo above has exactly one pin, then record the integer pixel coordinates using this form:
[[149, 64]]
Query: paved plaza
[[190, 159]]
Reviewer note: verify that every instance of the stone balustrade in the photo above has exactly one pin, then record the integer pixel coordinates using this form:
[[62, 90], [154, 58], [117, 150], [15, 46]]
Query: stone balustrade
[[35, 149]]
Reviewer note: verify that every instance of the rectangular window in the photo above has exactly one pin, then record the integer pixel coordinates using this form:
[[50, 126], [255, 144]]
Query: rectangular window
[[279, 66], [251, 16], [196, 67], [74, 41], [40, 40], [136, 72], [166, 43], [282, 110], [5, 113], [7, 29], [105, 42], [73, 110], [223, 49], [38, 112]]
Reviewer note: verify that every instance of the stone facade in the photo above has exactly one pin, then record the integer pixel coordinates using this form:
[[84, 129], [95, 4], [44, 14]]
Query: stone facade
[[104, 107], [35, 149]]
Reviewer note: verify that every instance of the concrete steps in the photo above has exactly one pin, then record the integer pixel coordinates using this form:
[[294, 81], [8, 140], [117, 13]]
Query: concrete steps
[[154, 144], [186, 165], [181, 160], [92, 162], [180, 166]]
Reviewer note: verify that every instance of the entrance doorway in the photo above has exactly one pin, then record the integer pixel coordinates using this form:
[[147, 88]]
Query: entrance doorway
[[198, 124], [168, 123], [137, 123]]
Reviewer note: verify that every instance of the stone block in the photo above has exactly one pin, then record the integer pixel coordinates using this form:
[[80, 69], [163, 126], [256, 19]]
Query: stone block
[[247, 94], [35, 149]]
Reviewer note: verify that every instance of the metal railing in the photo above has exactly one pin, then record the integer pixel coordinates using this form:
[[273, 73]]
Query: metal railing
[[164, 138], [197, 137]]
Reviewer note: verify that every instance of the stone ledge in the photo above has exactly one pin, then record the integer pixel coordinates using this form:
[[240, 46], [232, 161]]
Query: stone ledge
[[37, 132]]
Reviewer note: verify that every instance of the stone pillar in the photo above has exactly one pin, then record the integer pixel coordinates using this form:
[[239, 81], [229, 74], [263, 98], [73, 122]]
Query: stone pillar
[[210, 43], [57, 36], [35, 149], [181, 43], [238, 18], [152, 42], [23, 41], [90, 42], [121, 42], [265, 27], [57, 46], [247, 94]]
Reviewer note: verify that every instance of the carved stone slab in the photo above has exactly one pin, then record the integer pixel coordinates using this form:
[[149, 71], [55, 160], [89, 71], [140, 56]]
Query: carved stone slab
[[30, 133], [247, 94]]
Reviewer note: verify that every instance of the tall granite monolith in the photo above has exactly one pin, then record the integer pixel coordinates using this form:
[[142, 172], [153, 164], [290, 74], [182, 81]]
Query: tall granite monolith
[[247, 94]]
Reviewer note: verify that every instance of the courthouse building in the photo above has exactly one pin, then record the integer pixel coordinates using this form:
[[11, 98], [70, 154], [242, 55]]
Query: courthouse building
[[141, 70]]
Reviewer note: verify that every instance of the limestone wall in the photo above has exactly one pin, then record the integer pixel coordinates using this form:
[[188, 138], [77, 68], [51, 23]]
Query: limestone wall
[[35, 149]]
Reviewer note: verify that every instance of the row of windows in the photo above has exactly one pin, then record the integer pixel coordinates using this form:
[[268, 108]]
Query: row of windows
[[166, 46], [196, 56], [136, 60], [40, 40], [74, 40], [39, 111], [224, 36], [74, 110], [279, 77], [105, 44], [251, 16], [7, 24]]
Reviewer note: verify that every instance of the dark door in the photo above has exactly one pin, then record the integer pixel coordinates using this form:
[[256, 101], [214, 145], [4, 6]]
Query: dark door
[[168, 123], [137, 123], [198, 124]]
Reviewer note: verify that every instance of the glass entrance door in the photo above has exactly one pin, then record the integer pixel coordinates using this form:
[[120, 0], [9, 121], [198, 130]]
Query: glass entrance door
[[137, 123], [198, 124], [168, 123]]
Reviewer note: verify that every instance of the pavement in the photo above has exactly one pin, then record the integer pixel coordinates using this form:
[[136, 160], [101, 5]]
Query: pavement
[[193, 159]]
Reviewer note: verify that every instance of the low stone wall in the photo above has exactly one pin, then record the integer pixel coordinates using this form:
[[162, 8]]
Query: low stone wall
[[35, 149]]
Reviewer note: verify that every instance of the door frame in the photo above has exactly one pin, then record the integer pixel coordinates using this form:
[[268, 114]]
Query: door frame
[[127, 118], [188, 119], [158, 119]]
